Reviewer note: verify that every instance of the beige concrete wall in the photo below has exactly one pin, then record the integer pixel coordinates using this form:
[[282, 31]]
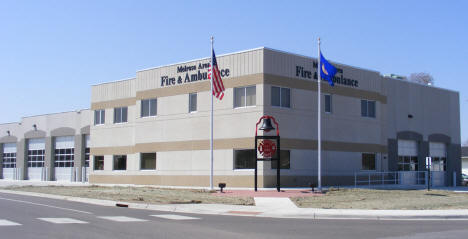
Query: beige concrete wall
[[181, 138]]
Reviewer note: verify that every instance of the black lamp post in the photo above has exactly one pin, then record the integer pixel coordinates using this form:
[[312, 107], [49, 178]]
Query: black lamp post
[[267, 146]]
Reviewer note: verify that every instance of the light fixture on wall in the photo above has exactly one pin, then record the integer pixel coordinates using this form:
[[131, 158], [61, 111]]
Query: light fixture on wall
[[8, 132], [35, 126]]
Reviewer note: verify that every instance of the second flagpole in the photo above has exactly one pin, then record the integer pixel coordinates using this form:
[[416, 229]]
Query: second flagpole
[[319, 124], [211, 119]]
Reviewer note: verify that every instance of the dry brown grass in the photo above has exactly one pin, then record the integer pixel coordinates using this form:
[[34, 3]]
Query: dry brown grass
[[139, 194], [385, 199]]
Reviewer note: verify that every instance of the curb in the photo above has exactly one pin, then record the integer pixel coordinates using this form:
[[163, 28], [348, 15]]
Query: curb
[[255, 211]]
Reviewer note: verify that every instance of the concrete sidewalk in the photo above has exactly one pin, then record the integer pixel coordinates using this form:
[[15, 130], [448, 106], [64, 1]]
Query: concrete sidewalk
[[274, 207]]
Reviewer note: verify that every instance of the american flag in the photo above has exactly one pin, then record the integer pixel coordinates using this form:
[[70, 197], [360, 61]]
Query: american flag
[[218, 86]]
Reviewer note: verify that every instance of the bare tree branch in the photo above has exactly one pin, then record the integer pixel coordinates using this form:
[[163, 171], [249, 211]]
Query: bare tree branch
[[421, 78]]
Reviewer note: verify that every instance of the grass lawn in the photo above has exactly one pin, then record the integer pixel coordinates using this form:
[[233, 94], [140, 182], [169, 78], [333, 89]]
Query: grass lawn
[[139, 194], [385, 199]]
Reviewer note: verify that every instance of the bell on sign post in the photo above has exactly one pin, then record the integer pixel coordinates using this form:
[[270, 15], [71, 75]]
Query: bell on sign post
[[267, 147], [266, 126]]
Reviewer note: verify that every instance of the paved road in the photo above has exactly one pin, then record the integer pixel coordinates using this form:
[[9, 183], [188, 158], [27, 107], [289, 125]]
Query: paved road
[[34, 217]]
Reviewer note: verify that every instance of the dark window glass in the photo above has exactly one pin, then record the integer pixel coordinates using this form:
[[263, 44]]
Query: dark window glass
[[364, 108], [285, 160], [244, 159], [148, 161], [148, 107], [98, 162], [285, 97], [328, 103], [371, 108], [120, 162], [192, 102], [144, 108], [117, 115], [120, 114], [153, 107], [275, 96], [368, 161]]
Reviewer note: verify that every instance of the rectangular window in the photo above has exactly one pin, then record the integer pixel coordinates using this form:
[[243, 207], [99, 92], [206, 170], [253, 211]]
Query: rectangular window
[[149, 107], [120, 162], [148, 161], [120, 115], [98, 162], [328, 103], [9, 160], [244, 159], [280, 97], [371, 109], [407, 163], [64, 158], [438, 164], [192, 102], [86, 157], [99, 117], [368, 108], [244, 96], [36, 158], [285, 160], [368, 162]]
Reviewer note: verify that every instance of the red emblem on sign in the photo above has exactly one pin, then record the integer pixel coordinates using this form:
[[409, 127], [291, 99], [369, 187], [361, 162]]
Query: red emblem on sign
[[267, 148]]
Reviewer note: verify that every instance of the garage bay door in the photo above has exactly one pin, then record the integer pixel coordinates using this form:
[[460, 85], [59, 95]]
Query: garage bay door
[[64, 155], [36, 156]]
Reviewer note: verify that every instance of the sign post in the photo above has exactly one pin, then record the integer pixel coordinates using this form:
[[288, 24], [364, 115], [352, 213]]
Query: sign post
[[428, 167], [267, 147]]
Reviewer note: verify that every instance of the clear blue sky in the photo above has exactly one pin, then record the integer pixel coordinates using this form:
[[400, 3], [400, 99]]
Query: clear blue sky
[[51, 52]]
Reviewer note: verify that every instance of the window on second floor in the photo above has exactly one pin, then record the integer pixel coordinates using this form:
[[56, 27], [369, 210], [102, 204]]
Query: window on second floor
[[120, 115], [148, 107], [368, 108], [328, 103], [192, 102], [99, 117], [280, 97], [245, 96]]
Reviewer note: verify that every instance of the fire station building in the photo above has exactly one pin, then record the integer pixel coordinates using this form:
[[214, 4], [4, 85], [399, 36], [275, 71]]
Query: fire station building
[[155, 128]]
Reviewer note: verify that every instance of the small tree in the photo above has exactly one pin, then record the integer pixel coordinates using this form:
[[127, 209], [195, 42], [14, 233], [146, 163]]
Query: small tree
[[421, 78]]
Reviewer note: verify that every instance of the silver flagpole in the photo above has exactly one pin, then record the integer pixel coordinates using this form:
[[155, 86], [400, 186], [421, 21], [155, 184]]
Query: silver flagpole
[[319, 125], [211, 119]]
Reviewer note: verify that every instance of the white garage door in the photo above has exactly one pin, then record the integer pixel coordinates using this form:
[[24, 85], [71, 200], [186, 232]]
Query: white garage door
[[9, 160], [36, 157], [437, 149], [407, 148], [87, 153], [63, 160]]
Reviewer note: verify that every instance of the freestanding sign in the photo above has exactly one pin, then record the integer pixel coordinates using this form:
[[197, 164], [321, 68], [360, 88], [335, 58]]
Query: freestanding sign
[[428, 167], [267, 147]]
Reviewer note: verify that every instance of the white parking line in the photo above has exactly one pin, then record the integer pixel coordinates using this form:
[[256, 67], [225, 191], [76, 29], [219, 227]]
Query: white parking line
[[123, 219], [44, 205], [175, 217], [62, 220], [8, 223]]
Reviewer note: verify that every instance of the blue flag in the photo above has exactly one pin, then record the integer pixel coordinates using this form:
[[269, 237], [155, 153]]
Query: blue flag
[[327, 70]]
